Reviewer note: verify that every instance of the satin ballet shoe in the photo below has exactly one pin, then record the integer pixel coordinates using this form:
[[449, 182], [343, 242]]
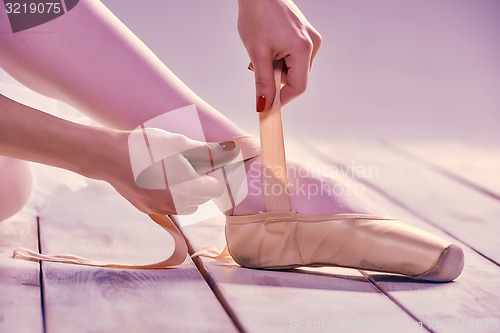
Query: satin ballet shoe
[[283, 240], [290, 239]]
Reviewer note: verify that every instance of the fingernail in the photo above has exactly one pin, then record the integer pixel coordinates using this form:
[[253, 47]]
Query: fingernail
[[261, 103], [227, 145]]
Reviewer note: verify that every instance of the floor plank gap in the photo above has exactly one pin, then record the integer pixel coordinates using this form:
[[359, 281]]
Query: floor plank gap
[[95, 299], [42, 286], [438, 169], [397, 202], [212, 284], [218, 294], [394, 300]]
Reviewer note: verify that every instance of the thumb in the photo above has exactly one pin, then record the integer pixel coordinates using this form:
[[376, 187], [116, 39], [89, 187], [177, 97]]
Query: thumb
[[208, 158], [223, 153], [264, 83]]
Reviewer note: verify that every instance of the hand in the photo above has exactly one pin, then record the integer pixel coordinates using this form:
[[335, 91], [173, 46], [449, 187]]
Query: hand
[[174, 182], [273, 30], [168, 173]]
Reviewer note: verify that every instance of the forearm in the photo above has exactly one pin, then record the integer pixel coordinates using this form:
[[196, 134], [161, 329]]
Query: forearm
[[32, 135]]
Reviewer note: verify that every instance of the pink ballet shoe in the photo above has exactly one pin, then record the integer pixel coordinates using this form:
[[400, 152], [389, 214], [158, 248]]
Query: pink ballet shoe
[[288, 240], [281, 238]]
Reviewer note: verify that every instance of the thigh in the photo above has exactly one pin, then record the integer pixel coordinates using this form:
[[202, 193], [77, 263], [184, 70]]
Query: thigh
[[15, 186]]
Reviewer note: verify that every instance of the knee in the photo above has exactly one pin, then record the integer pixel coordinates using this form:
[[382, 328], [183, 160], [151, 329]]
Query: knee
[[15, 186]]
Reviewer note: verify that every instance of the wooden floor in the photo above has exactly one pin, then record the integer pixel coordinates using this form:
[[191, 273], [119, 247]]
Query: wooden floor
[[449, 188]]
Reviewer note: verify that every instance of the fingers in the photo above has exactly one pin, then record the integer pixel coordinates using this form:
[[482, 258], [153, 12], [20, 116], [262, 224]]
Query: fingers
[[298, 65], [265, 85], [316, 40], [223, 153], [181, 168], [188, 195], [295, 76], [187, 189], [206, 187], [211, 156], [187, 211], [264, 81]]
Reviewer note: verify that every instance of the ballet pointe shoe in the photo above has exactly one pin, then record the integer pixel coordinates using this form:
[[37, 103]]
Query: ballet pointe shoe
[[281, 238], [287, 240]]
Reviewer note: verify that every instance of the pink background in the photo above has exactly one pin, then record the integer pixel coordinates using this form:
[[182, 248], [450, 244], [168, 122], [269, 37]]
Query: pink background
[[412, 69]]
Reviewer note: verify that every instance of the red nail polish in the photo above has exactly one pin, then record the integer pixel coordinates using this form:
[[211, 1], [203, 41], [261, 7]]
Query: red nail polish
[[227, 145], [261, 103]]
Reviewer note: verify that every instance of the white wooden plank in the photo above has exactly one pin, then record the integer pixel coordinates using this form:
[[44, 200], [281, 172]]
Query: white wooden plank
[[477, 165], [470, 303], [458, 209], [335, 299], [96, 223], [20, 295]]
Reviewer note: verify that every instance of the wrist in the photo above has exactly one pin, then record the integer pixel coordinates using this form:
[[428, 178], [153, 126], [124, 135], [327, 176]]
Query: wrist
[[32, 135], [105, 157]]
